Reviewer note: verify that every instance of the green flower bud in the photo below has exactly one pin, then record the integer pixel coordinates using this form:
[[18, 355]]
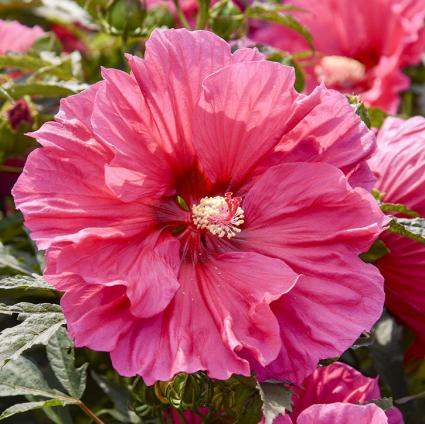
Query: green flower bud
[[125, 16], [185, 391], [226, 19]]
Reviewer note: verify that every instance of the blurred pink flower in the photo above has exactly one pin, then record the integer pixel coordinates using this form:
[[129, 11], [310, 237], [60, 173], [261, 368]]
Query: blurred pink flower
[[358, 52], [257, 280], [399, 164], [18, 38]]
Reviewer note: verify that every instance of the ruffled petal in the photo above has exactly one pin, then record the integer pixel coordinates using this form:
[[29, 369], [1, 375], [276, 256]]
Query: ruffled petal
[[147, 269], [219, 315], [96, 315], [62, 189], [170, 78], [139, 168], [308, 216], [238, 121], [325, 128], [18, 38]]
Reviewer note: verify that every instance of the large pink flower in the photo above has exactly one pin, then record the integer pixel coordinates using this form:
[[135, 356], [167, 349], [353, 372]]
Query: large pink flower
[[266, 279], [358, 50], [399, 165], [18, 38]]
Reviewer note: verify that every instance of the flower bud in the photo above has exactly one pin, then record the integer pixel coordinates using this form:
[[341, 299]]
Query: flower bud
[[19, 113], [126, 16], [185, 391]]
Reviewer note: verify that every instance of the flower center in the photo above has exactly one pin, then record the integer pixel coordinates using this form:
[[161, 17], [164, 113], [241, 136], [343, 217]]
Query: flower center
[[219, 215], [340, 71]]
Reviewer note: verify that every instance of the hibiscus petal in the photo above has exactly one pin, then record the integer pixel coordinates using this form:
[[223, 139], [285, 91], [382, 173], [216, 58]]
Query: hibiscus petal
[[308, 216], [219, 315], [241, 115], [343, 413], [148, 269], [170, 78], [62, 188], [139, 168], [96, 315]]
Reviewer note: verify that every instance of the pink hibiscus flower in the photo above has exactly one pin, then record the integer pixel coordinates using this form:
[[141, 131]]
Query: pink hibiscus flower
[[358, 52], [165, 268], [18, 38], [399, 165], [338, 383]]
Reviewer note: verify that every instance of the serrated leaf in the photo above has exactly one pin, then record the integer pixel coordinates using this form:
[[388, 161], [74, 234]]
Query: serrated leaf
[[120, 396], [411, 228], [276, 400], [21, 377], [30, 406], [27, 283], [399, 208], [40, 322], [273, 13], [60, 352]]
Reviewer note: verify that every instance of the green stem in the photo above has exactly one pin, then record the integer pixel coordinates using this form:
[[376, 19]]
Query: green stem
[[7, 168], [90, 413], [203, 15], [180, 15]]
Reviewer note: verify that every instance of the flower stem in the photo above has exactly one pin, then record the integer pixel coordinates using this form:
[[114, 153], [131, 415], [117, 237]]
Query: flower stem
[[90, 413], [180, 14], [204, 11]]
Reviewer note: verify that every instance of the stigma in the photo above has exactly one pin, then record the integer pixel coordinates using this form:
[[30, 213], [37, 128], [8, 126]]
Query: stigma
[[220, 215], [340, 71]]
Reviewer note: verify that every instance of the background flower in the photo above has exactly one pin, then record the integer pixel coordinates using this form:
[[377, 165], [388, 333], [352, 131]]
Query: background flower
[[399, 165], [362, 46]]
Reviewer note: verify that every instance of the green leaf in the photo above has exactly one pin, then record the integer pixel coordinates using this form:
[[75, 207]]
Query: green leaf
[[384, 403], [276, 400], [58, 67], [46, 89], [120, 396], [25, 283], [273, 13], [411, 228], [30, 406], [360, 109], [9, 259], [377, 251], [60, 352], [21, 377], [387, 355], [377, 117], [399, 208], [40, 322]]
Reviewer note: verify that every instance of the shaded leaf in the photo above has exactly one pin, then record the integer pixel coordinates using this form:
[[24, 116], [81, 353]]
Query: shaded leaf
[[384, 403], [60, 352], [40, 322], [411, 228], [9, 259], [46, 89], [30, 406], [377, 251], [276, 400], [26, 283], [120, 397]]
